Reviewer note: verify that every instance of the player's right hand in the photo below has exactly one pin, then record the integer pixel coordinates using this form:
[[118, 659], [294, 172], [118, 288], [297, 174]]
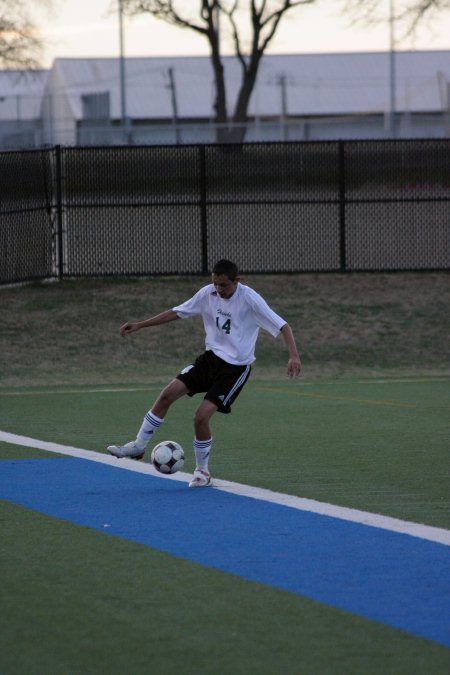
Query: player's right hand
[[128, 328]]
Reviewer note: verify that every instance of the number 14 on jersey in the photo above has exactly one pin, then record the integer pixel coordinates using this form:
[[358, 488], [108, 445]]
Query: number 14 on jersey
[[226, 326]]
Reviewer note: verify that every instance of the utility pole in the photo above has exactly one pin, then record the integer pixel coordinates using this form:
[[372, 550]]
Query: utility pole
[[392, 73], [444, 94], [123, 100], [447, 111], [173, 96], [282, 82]]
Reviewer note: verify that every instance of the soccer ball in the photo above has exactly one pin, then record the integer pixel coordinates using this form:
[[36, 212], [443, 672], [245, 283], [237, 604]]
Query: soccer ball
[[168, 457]]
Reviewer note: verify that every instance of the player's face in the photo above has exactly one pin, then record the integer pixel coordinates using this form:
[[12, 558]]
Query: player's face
[[223, 285]]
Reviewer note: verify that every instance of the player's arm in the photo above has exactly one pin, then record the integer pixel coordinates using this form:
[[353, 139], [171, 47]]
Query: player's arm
[[164, 317], [294, 363]]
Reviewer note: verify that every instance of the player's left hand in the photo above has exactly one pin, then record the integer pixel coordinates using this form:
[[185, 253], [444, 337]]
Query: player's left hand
[[294, 367]]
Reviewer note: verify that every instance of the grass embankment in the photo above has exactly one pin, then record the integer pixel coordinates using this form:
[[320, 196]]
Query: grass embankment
[[346, 326]]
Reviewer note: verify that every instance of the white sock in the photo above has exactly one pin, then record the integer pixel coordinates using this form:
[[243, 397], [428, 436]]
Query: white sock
[[202, 450], [150, 423]]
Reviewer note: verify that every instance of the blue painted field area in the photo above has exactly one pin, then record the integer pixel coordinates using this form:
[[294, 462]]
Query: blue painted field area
[[395, 579]]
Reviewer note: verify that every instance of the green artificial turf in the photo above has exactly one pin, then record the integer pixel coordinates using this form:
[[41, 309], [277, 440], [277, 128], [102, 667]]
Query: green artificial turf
[[79, 602], [380, 447]]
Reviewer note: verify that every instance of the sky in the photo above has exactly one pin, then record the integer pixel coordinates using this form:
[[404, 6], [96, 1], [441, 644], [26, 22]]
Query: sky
[[90, 28]]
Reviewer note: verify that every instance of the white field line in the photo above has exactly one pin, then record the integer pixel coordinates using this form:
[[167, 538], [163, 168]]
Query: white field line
[[259, 383], [435, 534]]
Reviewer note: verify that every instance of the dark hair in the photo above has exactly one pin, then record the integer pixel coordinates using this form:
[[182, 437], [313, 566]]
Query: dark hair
[[227, 268]]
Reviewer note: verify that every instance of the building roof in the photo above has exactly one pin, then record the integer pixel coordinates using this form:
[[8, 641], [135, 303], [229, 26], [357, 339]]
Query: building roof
[[322, 84], [313, 84], [21, 94]]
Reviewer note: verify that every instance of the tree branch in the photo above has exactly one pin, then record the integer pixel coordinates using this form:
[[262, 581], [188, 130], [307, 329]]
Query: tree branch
[[408, 15], [250, 41], [21, 45], [419, 12], [235, 32], [272, 19], [162, 9]]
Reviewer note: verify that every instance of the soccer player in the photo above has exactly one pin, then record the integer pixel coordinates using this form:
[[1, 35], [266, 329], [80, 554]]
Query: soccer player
[[232, 315]]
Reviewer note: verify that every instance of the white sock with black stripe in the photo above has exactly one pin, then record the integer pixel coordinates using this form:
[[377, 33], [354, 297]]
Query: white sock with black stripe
[[150, 423], [202, 450]]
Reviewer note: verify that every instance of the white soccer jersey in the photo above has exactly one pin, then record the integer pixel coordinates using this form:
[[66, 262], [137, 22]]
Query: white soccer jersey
[[232, 325]]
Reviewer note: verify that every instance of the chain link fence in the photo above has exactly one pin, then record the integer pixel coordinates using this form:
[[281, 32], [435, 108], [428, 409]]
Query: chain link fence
[[271, 207]]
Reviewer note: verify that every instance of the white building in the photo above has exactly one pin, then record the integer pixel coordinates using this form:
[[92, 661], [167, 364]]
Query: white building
[[21, 95], [297, 97]]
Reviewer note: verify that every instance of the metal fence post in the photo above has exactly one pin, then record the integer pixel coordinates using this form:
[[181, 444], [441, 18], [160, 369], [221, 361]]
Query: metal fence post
[[59, 212], [203, 212], [342, 233]]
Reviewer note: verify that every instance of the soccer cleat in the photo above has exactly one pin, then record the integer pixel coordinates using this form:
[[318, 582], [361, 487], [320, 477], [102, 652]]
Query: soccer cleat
[[129, 450], [201, 478]]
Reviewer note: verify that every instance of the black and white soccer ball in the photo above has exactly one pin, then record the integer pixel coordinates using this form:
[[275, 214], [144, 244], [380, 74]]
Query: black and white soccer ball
[[168, 457]]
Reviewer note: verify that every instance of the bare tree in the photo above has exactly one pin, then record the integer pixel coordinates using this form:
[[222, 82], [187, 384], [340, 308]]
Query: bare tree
[[21, 45], [250, 25], [407, 15]]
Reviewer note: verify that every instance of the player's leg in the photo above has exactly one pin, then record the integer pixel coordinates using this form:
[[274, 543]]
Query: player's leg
[[202, 443], [151, 422], [171, 393], [155, 416], [202, 417], [225, 386]]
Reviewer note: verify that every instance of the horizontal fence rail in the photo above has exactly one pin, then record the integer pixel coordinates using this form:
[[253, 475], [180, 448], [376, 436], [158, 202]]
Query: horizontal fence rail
[[332, 206]]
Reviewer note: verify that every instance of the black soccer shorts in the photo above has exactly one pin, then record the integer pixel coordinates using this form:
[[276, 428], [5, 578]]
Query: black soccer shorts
[[221, 381]]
